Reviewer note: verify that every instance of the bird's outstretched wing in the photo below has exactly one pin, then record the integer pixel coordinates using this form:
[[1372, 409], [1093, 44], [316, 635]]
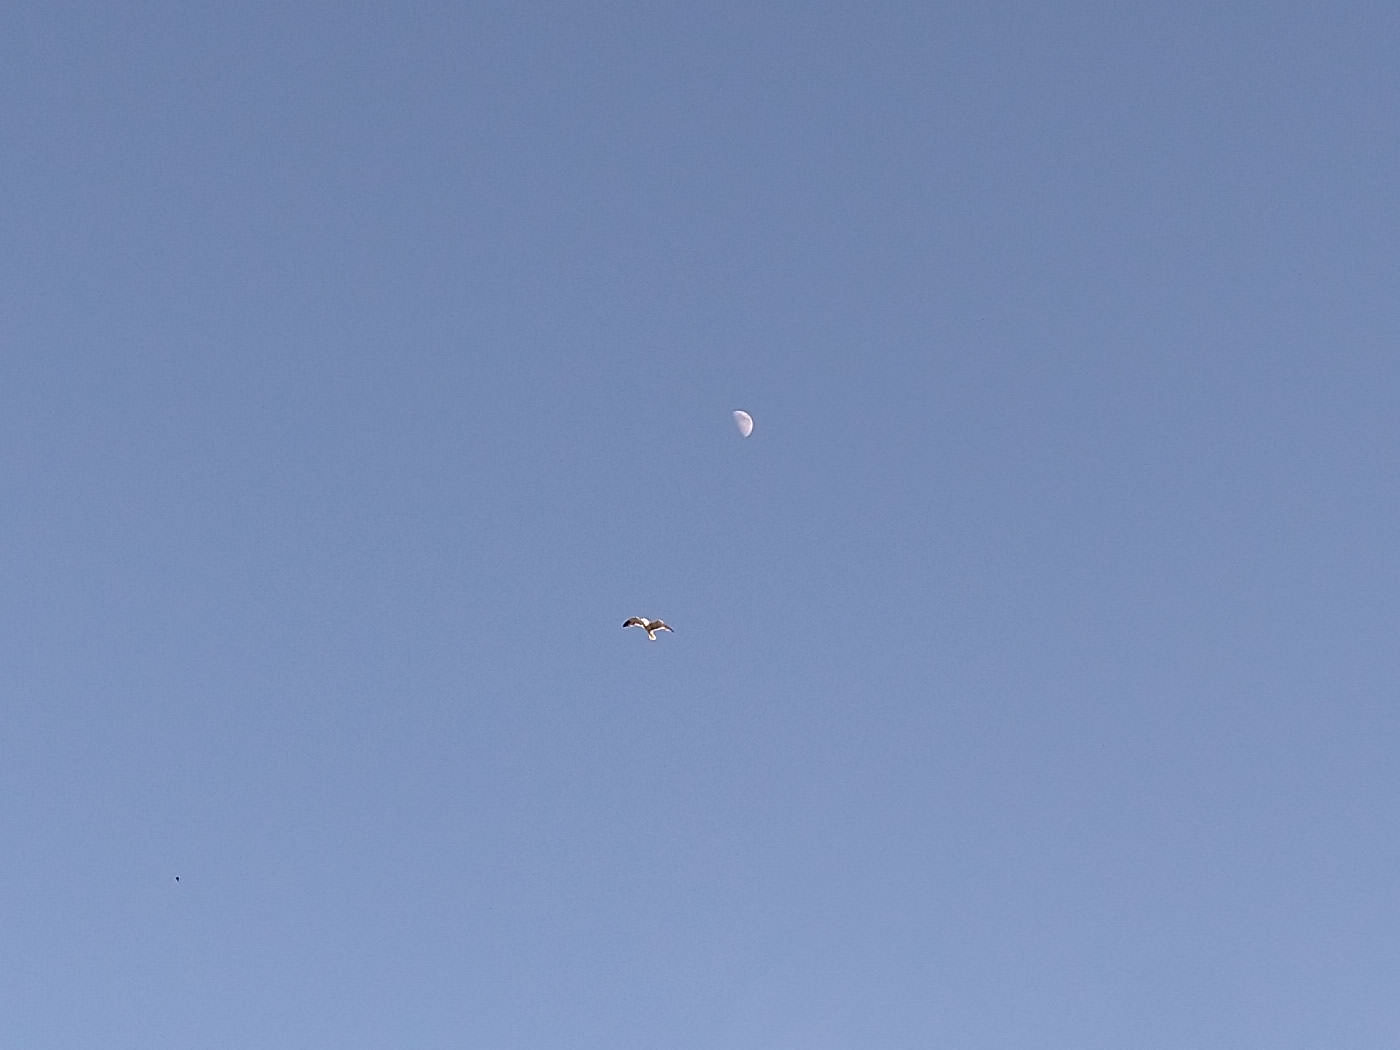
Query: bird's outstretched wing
[[634, 621], [659, 625]]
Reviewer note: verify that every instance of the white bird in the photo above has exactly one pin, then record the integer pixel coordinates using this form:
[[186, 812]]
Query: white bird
[[650, 626]]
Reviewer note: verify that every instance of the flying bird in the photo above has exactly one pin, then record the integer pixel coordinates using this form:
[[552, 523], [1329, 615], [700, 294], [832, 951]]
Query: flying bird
[[650, 626]]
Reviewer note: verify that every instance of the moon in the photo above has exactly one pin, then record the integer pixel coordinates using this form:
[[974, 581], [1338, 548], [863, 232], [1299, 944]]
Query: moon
[[744, 422]]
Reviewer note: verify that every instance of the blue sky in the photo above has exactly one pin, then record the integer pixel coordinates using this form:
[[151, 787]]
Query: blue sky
[[1037, 659]]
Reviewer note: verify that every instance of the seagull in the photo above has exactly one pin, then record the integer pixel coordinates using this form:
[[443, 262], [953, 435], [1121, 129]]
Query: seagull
[[650, 626]]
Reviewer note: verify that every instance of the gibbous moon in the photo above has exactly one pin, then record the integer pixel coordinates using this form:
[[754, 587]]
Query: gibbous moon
[[744, 422]]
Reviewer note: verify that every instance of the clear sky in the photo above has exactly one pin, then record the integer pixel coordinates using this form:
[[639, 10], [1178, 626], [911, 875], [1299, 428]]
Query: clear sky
[[1036, 665]]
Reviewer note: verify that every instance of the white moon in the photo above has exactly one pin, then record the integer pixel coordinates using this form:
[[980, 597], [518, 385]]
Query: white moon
[[744, 422]]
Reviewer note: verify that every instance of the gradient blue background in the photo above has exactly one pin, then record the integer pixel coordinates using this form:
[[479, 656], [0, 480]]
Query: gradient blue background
[[1037, 660]]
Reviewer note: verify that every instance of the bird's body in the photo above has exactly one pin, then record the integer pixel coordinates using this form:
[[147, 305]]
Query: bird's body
[[650, 626]]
